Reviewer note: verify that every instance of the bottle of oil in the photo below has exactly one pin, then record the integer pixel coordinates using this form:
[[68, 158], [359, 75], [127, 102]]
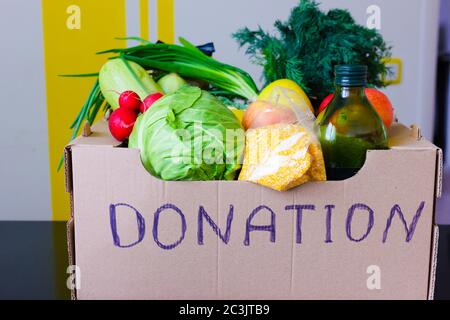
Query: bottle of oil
[[349, 126]]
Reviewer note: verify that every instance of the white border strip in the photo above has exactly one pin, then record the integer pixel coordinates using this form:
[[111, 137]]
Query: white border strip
[[153, 20], [132, 21]]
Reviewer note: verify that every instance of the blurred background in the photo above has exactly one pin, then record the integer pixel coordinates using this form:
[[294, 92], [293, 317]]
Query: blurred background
[[43, 39]]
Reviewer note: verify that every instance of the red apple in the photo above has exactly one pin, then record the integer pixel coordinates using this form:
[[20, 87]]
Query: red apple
[[261, 114]]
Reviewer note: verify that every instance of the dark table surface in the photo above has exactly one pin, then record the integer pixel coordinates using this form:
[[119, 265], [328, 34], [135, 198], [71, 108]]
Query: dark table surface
[[33, 261]]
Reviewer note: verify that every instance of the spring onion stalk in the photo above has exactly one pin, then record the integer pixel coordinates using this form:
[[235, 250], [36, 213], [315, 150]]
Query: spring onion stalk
[[188, 61], [88, 113]]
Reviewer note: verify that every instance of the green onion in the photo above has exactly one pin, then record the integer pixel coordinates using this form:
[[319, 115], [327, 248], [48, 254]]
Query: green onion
[[88, 112], [188, 61]]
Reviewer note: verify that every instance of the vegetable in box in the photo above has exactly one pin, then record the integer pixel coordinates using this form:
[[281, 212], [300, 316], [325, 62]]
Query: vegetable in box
[[183, 136]]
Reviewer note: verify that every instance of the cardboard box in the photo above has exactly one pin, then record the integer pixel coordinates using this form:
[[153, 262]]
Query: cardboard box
[[372, 236]]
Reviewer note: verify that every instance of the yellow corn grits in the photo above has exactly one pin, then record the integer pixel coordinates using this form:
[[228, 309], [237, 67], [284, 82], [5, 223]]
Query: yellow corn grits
[[282, 157]]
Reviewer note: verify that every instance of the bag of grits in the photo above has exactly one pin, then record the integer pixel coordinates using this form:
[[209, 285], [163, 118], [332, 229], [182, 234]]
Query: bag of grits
[[283, 152]]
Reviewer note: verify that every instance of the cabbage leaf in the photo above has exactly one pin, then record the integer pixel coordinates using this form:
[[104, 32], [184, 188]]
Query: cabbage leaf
[[189, 135]]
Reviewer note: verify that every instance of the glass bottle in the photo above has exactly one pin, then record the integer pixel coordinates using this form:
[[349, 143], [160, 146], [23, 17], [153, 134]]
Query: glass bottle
[[349, 126]]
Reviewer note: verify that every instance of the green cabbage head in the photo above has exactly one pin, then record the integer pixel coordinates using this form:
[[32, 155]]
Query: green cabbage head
[[189, 135]]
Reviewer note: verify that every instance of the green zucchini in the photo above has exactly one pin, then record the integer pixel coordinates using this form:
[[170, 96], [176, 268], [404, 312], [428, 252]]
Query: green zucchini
[[119, 75], [171, 83]]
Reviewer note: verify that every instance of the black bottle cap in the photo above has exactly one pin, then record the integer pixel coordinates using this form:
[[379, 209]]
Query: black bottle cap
[[350, 75]]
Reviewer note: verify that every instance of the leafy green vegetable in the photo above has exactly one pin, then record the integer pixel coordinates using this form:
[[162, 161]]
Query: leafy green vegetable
[[190, 62], [310, 43], [183, 136]]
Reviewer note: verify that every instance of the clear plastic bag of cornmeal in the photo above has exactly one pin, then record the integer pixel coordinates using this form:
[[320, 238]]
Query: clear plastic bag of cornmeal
[[282, 156]]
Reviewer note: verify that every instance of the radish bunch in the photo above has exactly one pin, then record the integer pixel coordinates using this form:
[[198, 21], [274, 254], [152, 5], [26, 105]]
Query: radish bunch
[[121, 121]]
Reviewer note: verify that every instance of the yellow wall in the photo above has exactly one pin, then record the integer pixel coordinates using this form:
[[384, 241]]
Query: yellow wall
[[165, 17], [69, 51], [73, 51], [144, 19], [166, 23]]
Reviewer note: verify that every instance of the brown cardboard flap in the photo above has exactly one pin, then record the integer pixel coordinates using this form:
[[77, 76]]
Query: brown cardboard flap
[[416, 132], [71, 248], [87, 131], [68, 168], [326, 254], [69, 175], [439, 173], [402, 137], [433, 262], [99, 135]]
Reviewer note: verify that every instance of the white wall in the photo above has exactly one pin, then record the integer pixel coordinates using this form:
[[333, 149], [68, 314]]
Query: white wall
[[24, 169]]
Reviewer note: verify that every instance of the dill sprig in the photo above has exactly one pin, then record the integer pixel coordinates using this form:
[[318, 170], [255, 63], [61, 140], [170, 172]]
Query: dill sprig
[[310, 43]]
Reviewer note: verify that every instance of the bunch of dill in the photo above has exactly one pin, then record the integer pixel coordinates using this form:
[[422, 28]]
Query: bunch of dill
[[310, 43]]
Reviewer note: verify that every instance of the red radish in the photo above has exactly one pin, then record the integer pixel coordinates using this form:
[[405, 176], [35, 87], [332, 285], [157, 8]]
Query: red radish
[[151, 99], [130, 100], [121, 123]]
